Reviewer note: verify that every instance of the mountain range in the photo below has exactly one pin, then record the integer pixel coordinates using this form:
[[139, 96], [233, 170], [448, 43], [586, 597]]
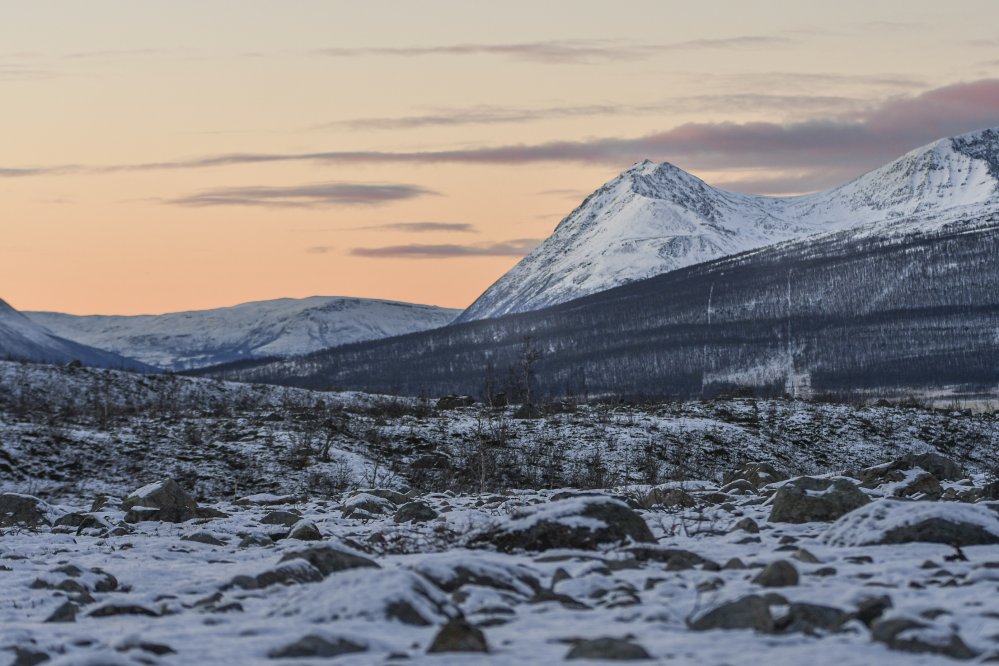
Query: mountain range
[[889, 284], [655, 218], [274, 328]]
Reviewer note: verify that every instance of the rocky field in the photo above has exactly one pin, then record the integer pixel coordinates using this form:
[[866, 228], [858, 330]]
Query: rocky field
[[179, 521]]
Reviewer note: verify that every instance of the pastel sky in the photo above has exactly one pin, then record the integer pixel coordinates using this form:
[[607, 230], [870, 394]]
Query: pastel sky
[[182, 154]]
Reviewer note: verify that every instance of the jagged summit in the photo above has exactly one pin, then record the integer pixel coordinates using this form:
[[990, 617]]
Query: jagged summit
[[654, 218]]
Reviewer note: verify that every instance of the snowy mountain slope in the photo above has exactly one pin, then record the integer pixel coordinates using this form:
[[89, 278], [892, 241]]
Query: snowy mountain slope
[[655, 218], [282, 327], [23, 339]]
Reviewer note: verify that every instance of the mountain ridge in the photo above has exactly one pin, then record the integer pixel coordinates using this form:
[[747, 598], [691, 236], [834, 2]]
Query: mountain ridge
[[654, 218], [278, 327]]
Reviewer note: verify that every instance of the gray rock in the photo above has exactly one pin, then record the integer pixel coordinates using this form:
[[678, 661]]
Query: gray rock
[[609, 649], [17, 510], [317, 646], [455, 402], [164, 501], [746, 524], [458, 636], [557, 525], [749, 612], [668, 498], [286, 573], [807, 499], [328, 559], [122, 608], [305, 531], [892, 521], [923, 486], [909, 635], [251, 540], [414, 512], [28, 657], [675, 559], [65, 613], [813, 618], [203, 537], [777, 574], [283, 518], [757, 473]]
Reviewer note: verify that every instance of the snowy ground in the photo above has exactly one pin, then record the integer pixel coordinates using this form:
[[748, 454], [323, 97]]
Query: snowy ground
[[386, 588]]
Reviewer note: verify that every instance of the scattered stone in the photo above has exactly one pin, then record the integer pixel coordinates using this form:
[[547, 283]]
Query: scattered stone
[[746, 525], [458, 636], [667, 498], [585, 523], [803, 555], [266, 499], [749, 612], [280, 517], [285, 573], [115, 609], [675, 559], [251, 540], [455, 402], [305, 531], [609, 649], [203, 537], [872, 608], [29, 657], [17, 510], [892, 521], [65, 613], [777, 574], [807, 499], [313, 645], [812, 618], [364, 505], [163, 500], [414, 512], [909, 635], [757, 473], [329, 559]]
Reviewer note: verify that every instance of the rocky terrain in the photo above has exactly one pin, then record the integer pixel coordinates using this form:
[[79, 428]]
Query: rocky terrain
[[166, 520]]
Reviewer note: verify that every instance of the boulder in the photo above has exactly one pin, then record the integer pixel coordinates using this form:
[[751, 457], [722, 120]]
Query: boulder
[[458, 636], [452, 571], [777, 574], [455, 402], [203, 537], [314, 645], [280, 517], [414, 512], [759, 474], [941, 467], [807, 499], [17, 510], [667, 498], [163, 500], [294, 572], [675, 559], [305, 531], [910, 635], [366, 505], [749, 612], [812, 618], [890, 521], [607, 649], [330, 559], [584, 523]]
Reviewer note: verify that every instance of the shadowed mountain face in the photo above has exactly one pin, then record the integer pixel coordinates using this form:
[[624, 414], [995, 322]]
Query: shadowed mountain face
[[843, 313], [655, 218], [24, 340], [276, 328]]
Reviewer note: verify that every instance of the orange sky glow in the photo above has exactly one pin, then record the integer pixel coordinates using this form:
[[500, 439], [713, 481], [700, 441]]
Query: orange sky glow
[[174, 155]]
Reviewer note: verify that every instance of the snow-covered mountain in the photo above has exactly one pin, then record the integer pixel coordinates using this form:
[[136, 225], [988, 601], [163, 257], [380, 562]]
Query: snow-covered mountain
[[655, 218], [25, 340], [282, 327]]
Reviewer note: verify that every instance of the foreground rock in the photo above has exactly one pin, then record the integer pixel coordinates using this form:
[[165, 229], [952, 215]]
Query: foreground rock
[[894, 521], [807, 499], [459, 636], [584, 523], [163, 500], [750, 612], [314, 645], [609, 649], [17, 510], [909, 635]]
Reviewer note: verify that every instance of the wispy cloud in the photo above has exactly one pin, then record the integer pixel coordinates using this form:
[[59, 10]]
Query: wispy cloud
[[574, 51], [305, 196], [493, 115], [420, 227], [511, 248], [856, 140]]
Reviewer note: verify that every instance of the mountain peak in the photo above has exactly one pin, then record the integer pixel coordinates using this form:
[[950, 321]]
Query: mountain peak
[[655, 217]]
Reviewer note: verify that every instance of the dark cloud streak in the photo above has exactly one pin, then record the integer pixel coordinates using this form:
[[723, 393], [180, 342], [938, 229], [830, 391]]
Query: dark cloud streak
[[511, 248], [304, 196]]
